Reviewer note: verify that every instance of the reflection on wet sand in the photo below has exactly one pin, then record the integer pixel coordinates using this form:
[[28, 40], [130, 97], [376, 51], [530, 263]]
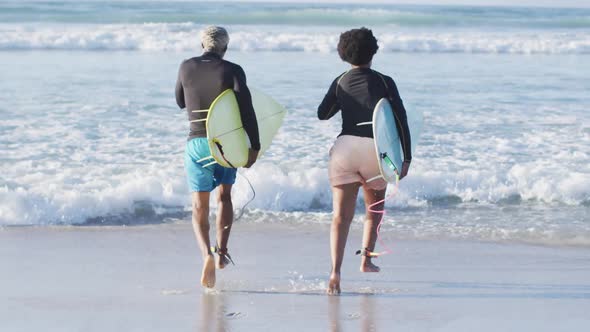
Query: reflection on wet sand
[[366, 307], [213, 313], [367, 304], [334, 313]]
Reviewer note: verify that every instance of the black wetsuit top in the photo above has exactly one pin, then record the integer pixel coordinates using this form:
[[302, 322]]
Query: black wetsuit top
[[356, 92], [201, 79]]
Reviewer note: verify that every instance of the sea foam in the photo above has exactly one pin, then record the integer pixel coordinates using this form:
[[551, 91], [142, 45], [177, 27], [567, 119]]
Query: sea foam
[[151, 191], [183, 37]]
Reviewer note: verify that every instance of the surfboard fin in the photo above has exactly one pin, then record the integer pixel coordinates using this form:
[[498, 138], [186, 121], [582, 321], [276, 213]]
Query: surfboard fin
[[388, 161]]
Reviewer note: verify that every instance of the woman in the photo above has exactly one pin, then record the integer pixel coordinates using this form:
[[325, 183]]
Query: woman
[[353, 162]]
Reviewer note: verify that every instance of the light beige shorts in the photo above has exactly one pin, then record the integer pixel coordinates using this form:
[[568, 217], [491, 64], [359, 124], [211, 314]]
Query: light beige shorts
[[353, 159]]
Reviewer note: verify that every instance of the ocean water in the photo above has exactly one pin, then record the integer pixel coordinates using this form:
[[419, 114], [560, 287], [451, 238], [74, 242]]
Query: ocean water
[[90, 132]]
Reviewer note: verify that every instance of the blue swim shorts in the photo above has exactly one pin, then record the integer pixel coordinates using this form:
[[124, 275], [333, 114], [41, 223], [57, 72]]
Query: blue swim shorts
[[202, 178]]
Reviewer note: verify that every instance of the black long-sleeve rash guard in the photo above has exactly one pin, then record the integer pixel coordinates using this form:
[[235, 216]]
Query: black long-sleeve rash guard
[[201, 79], [357, 92]]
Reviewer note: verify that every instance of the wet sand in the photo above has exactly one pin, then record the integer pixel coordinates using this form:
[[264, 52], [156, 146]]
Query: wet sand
[[146, 278]]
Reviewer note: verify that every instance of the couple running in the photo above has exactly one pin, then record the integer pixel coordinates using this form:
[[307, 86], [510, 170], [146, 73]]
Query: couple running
[[352, 158]]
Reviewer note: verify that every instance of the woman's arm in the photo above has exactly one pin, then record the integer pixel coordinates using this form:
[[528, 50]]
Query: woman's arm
[[401, 119], [329, 105]]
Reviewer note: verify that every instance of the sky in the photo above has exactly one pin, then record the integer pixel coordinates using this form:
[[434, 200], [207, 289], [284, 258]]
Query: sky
[[526, 3], [523, 3]]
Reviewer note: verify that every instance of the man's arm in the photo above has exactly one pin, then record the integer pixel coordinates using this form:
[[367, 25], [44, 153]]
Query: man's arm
[[247, 113], [329, 105], [180, 90]]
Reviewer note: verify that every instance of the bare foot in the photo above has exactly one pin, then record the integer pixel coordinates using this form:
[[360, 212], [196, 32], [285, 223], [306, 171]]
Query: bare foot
[[368, 266], [334, 284], [208, 274]]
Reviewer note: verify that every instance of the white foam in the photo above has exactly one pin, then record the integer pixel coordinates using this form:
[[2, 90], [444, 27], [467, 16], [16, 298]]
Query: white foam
[[276, 190], [183, 37]]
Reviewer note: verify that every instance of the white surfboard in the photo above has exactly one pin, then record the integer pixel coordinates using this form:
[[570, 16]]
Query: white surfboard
[[227, 138], [387, 141]]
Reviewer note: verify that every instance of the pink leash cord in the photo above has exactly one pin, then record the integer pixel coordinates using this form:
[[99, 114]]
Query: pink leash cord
[[371, 209]]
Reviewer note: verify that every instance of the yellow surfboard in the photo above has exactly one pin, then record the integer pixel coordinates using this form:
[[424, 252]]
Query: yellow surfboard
[[227, 138]]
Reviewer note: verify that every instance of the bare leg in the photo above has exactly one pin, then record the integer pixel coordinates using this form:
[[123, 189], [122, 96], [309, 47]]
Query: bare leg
[[371, 223], [225, 217], [344, 203], [201, 229]]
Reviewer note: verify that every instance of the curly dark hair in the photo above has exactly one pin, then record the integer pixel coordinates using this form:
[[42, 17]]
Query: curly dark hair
[[357, 46]]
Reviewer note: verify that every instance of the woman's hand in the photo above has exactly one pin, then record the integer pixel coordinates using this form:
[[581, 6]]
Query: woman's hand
[[405, 169]]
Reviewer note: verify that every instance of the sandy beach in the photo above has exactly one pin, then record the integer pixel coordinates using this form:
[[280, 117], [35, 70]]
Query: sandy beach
[[145, 278], [490, 231]]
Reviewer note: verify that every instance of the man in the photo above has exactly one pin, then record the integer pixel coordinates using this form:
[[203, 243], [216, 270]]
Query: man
[[200, 80]]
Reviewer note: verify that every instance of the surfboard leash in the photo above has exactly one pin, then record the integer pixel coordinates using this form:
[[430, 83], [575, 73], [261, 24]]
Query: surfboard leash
[[243, 210], [371, 208]]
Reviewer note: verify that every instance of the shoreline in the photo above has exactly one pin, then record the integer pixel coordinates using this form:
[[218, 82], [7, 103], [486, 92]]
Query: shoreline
[[146, 278], [397, 228]]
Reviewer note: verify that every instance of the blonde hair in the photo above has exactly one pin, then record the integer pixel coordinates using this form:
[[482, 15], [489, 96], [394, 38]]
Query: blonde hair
[[214, 39]]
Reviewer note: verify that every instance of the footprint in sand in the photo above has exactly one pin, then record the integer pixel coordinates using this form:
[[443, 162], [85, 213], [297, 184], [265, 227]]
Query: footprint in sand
[[167, 292], [353, 316], [234, 315]]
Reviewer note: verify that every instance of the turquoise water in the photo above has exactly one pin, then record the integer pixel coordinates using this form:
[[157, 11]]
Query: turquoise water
[[90, 132], [218, 12], [171, 26]]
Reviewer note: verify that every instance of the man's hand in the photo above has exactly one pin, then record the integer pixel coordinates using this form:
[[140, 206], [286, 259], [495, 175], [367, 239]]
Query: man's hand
[[405, 169], [252, 156]]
